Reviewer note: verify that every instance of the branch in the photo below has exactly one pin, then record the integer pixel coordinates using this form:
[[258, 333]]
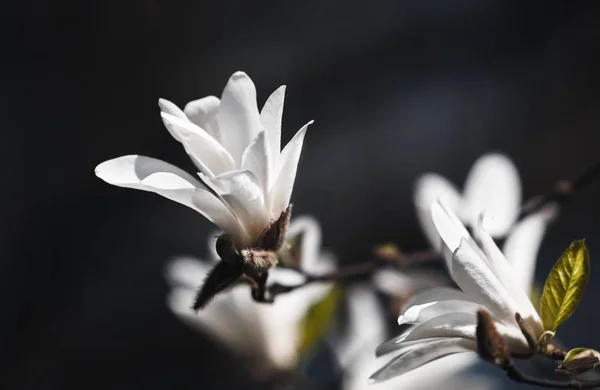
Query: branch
[[513, 373], [563, 191], [345, 274]]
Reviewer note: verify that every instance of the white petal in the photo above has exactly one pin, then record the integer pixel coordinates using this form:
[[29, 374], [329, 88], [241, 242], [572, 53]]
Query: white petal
[[210, 157], [450, 229], [366, 326], [238, 117], [509, 279], [437, 294], [171, 109], [452, 372], [242, 193], [270, 117], [475, 277], [493, 188], [257, 159], [288, 164], [426, 311], [187, 272], [203, 113], [523, 243], [428, 189], [310, 231], [219, 320], [408, 281], [419, 356]]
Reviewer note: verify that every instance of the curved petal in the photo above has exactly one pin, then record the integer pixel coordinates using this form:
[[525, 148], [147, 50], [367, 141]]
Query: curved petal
[[203, 113], [437, 294], [493, 188], [243, 194], [428, 189], [523, 243], [288, 165], [187, 272], [475, 277], [210, 157], [424, 354], [257, 159], [171, 109], [408, 281], [238, 117], [509, 279], [307, 231], [426, 311], [450, 229], [270, 117]]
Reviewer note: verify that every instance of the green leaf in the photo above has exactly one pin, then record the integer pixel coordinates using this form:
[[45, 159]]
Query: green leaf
[[564, 287], [574, 352], [317, 320]]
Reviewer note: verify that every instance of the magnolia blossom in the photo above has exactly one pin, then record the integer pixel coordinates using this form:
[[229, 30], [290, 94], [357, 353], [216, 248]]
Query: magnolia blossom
[[245, 181], [367, 330], [267, 334], [493, 189], [444, 319]]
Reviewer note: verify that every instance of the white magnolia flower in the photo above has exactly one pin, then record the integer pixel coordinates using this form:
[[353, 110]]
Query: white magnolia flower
[[444, 319], [492, 188], [367, 330], [268, 334], [246, 182]]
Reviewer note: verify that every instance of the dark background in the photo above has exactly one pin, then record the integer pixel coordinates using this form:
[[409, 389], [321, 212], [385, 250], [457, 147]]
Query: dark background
[[396, 88]]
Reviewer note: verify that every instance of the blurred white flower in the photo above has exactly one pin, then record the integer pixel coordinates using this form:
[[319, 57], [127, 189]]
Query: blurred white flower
[[367, 330], [444, 319], [246, 182], [492, 188], [267, 334]]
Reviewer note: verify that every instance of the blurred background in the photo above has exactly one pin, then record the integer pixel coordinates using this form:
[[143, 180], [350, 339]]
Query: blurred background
[[396, 89]]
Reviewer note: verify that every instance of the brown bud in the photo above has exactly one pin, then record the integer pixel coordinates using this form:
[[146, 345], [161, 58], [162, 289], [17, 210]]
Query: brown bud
[[272, 237], [490, 344], [581, 362], [390, 253], [219, 278]]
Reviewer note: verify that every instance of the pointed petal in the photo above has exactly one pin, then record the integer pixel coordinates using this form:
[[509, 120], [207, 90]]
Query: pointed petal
[[419, 356], [449, 228], [288, 165], [428, 189], [203, 113], [257, 159], [523, 243], [210, 157], [492, 187], [171, 109], [270, 117], [426, 311], [437, 294], [238, 117], [242, 193], [475, 277], [509, 279]]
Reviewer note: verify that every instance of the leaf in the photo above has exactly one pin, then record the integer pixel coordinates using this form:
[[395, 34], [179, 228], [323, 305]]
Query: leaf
[[572, 353], [317, 320], [564, 287]]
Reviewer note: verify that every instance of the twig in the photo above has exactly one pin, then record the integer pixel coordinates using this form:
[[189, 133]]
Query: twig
[[344, 274], [513, 373], [563, 191]]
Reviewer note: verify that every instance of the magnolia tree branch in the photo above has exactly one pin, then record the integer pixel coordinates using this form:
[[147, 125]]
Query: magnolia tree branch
[[563, 191], [345, 274], [516, 375]]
